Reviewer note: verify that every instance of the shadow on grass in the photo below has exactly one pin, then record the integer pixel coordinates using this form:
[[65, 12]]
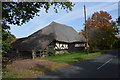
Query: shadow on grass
[[42, 68]]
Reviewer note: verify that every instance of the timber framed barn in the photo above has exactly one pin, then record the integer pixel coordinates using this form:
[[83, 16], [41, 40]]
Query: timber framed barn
[[55, 36]]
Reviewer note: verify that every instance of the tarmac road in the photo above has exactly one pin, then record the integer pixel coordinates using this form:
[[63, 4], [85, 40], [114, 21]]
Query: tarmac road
[[104, 66]]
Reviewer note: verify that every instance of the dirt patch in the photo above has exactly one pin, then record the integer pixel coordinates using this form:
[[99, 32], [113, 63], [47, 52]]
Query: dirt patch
[[29, 68], [28, 64]]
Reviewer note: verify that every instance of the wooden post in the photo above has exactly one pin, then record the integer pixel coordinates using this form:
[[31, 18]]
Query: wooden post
[[47, 50], [17, 51], [18, 54], [33, 54]]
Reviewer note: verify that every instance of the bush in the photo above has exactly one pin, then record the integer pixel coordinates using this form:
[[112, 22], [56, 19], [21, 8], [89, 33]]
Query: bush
[[116, 44], [52, 52]]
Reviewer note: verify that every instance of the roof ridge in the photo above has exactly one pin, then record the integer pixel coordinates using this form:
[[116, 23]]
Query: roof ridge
[[60, 24]]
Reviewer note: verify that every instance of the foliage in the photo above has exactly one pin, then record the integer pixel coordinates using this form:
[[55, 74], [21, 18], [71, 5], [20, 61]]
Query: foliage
[[101, 30], [99, 19], [52, 52], [117, 44], [118, 20], [7, 39]]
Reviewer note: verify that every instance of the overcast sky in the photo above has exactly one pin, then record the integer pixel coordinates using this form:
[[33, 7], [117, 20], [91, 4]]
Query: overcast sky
[[74, 18]]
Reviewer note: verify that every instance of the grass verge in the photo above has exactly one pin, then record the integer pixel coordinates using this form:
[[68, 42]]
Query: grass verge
[[69, 58]]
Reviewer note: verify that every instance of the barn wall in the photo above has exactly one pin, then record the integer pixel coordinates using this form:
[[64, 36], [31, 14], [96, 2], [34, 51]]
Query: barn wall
[[51, 45], [71, 47], [79, 46], [20, 55], [75, 48], [62, 47]]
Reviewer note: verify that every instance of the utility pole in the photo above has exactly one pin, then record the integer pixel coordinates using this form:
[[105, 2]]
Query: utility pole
[[85, 15], [87, 46]]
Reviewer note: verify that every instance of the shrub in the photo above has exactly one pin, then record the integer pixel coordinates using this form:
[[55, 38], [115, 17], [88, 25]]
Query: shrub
[[116, 44], [52, 52]]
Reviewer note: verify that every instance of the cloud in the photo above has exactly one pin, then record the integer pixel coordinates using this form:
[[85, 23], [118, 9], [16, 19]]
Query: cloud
[[62, 17], [78, 13]]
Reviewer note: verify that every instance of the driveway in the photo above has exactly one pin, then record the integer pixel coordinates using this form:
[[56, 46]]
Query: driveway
[[104, 66]]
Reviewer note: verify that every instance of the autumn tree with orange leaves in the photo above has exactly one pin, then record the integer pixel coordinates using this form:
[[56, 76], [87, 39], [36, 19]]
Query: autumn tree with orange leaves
[[101, 31]]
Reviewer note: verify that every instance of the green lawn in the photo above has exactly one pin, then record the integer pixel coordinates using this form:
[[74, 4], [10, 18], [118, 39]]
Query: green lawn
[[71, 57]]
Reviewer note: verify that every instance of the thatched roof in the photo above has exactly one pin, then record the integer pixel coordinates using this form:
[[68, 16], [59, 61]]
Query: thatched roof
[[42, 38]]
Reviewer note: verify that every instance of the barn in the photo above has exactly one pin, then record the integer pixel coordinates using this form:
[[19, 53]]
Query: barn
[[55, 36]]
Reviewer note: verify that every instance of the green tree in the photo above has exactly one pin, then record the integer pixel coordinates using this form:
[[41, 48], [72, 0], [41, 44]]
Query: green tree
[[101, 30], [7, 38]]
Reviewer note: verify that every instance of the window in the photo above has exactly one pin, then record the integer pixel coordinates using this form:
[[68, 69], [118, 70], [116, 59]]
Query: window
[[77, 45], [57, 46], [61, 46], [66, 46], [80, 45]]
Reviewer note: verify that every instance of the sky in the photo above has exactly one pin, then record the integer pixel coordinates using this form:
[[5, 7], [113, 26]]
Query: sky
[[74, 18]]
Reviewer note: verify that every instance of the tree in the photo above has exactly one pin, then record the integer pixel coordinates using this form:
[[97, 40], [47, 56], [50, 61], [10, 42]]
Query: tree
[[7, 39], [101, 30]]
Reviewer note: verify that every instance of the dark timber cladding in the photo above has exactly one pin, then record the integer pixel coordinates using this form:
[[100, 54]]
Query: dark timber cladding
[[54, 36]]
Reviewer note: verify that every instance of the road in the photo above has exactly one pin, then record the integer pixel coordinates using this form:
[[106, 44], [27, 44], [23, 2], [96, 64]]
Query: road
[[104, 66]]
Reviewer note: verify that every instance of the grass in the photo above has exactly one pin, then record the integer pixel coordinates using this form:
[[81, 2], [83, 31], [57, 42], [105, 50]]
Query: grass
[[8, 74], [60, 61], [71, 57], [25, 74]]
